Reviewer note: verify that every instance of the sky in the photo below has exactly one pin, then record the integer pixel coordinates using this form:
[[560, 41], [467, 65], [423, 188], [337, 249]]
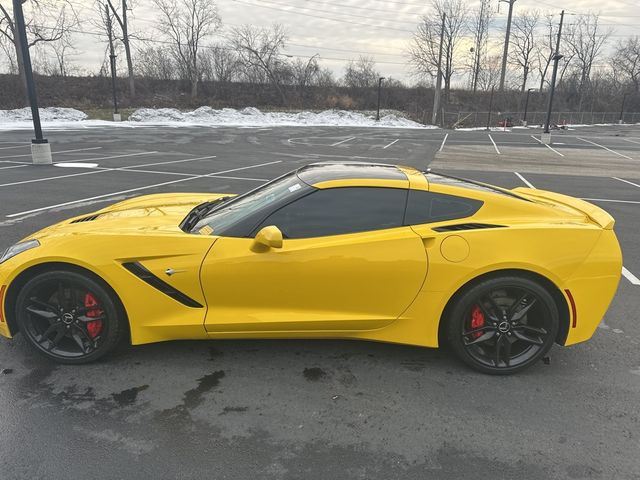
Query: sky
[[339, 30]]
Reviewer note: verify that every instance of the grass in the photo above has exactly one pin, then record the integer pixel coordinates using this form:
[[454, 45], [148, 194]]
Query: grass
[[107, 113]]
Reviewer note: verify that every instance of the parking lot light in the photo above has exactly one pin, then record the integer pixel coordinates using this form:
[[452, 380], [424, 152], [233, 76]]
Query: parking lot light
[[40, 148], [379, 89]]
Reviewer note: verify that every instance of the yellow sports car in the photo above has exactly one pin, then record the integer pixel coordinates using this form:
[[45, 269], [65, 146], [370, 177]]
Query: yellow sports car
[[331, 250]]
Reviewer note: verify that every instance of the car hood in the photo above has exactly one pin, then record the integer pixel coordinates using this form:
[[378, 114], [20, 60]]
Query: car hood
[[148, 214]]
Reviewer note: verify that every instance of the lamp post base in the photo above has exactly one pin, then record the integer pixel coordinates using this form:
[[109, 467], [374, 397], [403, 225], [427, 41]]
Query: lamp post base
[[41, 153], [117, 117], [545, 138]]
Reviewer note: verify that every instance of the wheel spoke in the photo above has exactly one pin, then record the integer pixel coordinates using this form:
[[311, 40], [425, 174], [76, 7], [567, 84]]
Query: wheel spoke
[[498, 347], [61, 298], [42, 313], [79, 341], [91, 341], [481, 339], [529, 328], [85, 319], [44, 305], [507, 351], [517, 315], [526, 338], [52, 328], [493, 317], [59, 335], [479, 330]]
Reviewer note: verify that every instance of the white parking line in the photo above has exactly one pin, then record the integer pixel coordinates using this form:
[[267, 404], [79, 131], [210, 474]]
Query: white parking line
[[631, 141], [548, 146], [54, 153], [15, 146], [611, 200], [96, 170], [494, 143], [80, 160], [341, 142], [444, 140], [626, 181], [180, 174], [387, 146], [131, 190], [13, 166], [524, 180], [630, 276], [606, 148]]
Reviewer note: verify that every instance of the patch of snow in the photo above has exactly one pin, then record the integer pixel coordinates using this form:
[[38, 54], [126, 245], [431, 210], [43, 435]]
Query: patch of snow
[[251, 116], [48, 114], [75, 165]]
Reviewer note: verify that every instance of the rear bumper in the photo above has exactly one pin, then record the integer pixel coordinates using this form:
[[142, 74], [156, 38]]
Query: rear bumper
[[593, 286]]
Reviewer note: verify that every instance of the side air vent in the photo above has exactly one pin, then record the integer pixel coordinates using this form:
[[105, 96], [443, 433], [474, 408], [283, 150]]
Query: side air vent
[[90, 218], [466, 226], [146, 276]]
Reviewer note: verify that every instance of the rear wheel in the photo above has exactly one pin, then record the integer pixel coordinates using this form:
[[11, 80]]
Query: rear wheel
[[503, 325], [69, 317]]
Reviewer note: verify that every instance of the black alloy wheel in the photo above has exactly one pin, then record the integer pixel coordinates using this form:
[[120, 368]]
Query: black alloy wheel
[[503, 325], [69, 317]]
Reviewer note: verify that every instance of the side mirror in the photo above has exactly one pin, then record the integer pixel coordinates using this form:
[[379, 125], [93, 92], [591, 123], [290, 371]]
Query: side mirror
[[266, 238]]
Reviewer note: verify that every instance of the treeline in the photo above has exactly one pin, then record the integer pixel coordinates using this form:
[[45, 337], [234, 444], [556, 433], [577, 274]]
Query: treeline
[[185, 57]]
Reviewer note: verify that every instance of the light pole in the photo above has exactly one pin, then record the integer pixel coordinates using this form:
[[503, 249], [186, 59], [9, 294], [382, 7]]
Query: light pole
[[436, 94], [624, 98], [505, 52], [546, 135], [40, 148], [112, 62], [526, 107], [379, 89]]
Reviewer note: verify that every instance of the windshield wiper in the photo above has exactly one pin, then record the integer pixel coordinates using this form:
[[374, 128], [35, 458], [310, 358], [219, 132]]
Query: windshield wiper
[[198, 212]]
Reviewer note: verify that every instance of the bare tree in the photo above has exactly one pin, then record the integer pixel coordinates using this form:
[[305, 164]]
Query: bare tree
[[625, 61], [585, 40], [424, 48], [9, 50], [156, 62], [361, 73], [304, 72], [259, 50], [479, 26], [188, 23], [119, 13], [46, 21], [523, 40], [219, 63]]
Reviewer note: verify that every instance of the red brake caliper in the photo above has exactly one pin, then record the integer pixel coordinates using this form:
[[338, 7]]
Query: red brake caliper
[[93, 310], [477, 320]]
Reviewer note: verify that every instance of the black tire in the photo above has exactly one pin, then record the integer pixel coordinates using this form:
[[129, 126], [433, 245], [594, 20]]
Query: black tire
[[502, 325], [55, 318]]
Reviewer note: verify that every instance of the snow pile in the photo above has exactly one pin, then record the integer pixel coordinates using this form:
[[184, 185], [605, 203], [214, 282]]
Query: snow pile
[[253, 117], [48, 114]]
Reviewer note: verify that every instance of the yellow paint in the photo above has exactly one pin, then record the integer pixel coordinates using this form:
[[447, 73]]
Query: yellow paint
[[389, 285]]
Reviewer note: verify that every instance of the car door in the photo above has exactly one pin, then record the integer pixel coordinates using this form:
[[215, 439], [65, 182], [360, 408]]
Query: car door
[[347, 263]]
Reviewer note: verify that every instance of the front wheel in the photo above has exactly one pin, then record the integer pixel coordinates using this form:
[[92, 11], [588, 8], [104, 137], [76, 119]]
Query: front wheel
[[503, 325], [69, 317]]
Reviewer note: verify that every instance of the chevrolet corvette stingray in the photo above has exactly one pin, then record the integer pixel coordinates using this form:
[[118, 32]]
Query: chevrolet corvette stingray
[[331, 250]]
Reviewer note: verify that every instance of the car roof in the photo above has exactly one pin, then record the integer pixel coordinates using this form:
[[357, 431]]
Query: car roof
[[336, 174]]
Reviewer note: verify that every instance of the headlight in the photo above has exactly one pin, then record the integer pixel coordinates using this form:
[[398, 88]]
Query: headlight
[[18, 248]]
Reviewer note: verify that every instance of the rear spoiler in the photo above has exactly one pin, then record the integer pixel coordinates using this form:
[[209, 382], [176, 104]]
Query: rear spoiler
[[595, 214]]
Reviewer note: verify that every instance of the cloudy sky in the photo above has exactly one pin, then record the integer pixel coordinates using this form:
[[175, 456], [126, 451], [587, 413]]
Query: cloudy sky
[[339, 30]]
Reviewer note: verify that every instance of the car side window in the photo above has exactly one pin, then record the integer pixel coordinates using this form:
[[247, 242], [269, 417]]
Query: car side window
[[429, 207], [337, 211]]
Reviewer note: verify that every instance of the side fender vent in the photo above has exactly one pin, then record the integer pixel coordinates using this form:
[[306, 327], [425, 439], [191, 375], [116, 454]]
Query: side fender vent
[[145, 275], [466, 226], [90, 218]]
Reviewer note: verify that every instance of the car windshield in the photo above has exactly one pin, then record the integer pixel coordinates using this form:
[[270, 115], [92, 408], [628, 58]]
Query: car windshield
[[232, 212]]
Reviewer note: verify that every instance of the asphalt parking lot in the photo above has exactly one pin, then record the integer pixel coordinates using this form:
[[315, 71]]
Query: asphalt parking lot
[[319, 409]]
